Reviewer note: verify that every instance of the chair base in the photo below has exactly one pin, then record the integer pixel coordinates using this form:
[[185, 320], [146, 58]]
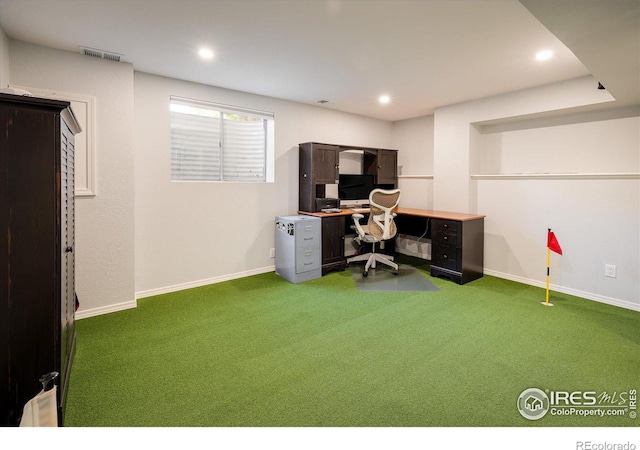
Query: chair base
[[372, 259]]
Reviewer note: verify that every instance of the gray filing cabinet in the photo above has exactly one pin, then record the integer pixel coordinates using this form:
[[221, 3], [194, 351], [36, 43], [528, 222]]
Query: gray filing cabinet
[[299, 247]]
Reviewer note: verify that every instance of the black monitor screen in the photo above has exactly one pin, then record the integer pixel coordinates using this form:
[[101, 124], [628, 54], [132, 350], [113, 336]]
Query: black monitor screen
[[355, 187]]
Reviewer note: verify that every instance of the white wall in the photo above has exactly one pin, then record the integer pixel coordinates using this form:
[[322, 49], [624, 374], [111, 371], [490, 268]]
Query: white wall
[[413, 138], [453, 189], [595, 146], [104, 223], [189, 234], [596, 219], [4, 59]]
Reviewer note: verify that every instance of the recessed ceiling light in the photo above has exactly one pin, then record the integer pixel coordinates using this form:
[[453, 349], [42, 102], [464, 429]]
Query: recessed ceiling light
[[544, 55], [205, 53], [384, 99]]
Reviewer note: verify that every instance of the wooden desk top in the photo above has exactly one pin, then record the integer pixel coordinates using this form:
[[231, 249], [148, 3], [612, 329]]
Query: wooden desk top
[[344, 212], [447, 215], [462, 217]]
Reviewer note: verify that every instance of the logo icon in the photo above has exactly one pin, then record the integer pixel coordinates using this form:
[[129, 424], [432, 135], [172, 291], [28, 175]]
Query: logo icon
[[533, 404]]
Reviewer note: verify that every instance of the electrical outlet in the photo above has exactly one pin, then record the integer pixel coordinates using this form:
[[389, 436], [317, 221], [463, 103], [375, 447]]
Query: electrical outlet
[[610, 270], [272, 253]]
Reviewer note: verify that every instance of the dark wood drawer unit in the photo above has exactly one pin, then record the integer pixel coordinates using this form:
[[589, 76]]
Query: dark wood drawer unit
[[457, 249], [446, 239], [333, 232]]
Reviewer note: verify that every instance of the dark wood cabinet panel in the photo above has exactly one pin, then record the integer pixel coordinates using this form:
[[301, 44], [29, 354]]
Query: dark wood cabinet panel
[[383, 165], [326, 164], [318, 166], [457, 249], [37, 262], [333, 233]]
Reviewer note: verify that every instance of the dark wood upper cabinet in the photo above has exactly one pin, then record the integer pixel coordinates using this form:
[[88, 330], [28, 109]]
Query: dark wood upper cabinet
[[319, 165]]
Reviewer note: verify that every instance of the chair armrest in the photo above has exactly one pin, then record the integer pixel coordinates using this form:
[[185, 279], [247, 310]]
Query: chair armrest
[[356, 221]]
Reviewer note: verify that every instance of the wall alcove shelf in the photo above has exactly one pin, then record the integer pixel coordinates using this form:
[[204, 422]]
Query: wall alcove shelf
[[421, 177], [558, 176]]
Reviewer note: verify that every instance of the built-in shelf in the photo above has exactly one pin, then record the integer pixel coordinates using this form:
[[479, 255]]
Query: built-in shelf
[[558, 176]]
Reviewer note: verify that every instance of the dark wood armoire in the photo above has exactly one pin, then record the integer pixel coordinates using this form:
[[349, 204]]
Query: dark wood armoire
[[37, 292]]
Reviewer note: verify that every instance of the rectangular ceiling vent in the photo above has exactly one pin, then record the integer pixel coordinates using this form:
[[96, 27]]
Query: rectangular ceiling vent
[[100, 54]]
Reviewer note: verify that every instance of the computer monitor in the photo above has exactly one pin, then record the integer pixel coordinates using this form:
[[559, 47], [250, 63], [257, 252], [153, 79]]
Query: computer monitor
[[354, 189]]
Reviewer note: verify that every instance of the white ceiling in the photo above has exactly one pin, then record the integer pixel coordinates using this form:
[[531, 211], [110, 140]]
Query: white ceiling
[[423, 54]]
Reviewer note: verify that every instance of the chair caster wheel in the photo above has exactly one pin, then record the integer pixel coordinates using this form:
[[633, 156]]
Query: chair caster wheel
[[365, 273]]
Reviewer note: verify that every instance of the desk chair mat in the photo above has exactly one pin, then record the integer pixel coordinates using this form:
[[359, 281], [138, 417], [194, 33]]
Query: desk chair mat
[[382, 279]]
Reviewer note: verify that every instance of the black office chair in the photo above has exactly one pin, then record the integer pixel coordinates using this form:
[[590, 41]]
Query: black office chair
[[380, 227]]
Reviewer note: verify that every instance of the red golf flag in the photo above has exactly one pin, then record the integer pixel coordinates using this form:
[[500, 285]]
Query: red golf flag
[[552, 243]]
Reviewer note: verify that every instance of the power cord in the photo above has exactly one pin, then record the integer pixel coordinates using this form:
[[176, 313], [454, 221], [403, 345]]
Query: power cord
[[426, 229]]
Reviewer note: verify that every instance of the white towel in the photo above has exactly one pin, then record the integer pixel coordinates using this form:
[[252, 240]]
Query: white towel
[[41, 410]]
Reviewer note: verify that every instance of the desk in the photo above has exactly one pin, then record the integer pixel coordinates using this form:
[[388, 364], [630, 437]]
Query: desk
[[457, 241]]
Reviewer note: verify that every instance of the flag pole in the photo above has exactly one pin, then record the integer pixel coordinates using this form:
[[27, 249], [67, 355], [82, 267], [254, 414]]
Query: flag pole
[[546, 302]]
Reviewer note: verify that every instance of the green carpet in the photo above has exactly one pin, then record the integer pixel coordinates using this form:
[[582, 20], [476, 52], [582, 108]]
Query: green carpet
[[261, 351]]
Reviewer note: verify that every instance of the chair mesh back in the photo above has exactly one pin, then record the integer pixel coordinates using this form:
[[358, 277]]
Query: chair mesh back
[[381, 205]]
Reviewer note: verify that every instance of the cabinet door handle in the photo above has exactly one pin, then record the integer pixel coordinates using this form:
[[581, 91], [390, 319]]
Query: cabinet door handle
[[68, 250]]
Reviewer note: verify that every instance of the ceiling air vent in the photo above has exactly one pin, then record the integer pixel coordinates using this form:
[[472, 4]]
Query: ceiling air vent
[[100, 54]]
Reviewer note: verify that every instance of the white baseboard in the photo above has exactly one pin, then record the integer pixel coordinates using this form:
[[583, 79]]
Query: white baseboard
[[565, 290], [199, 283], [409, 245], [84, 313]]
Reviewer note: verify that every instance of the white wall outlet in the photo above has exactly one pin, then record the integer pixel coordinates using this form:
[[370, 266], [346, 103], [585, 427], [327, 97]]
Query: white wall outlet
[[272, 253], [610, 270]]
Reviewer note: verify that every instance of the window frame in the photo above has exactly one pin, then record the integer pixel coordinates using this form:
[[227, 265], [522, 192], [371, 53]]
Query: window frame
[[222, 111]]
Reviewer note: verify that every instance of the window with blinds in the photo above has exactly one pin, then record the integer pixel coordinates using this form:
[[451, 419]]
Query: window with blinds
[[214, 142]]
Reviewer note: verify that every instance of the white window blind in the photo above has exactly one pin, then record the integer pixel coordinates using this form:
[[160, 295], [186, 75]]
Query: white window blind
[[213, 142]]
